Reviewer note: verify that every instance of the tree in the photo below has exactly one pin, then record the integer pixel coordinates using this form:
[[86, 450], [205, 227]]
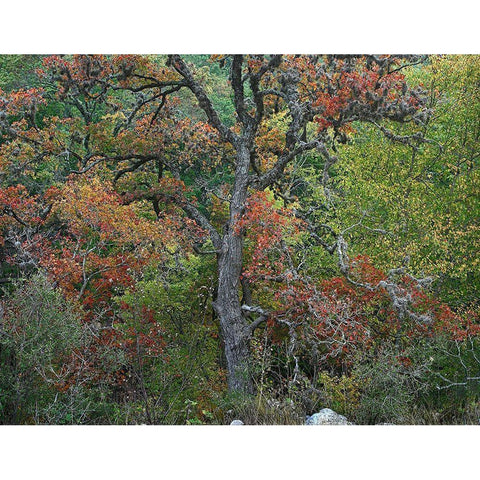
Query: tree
[[129, 117], [419, 204]]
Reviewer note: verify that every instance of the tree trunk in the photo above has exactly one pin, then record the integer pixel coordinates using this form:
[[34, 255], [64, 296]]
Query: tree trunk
[[235, 329]]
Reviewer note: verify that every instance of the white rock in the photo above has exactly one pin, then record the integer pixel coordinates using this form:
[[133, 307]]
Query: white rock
[[326, 416], [237, 422]]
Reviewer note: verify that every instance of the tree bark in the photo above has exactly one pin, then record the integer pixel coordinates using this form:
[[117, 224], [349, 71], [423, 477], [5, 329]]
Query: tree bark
[[235, 329]]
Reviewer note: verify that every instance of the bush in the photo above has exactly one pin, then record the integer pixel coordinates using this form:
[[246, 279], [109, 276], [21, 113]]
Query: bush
[[341, 394], [41, 344], [390, 389]]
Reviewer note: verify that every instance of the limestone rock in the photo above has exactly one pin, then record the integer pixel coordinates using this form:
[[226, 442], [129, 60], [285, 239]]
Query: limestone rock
[[237, 422], [326, 416]]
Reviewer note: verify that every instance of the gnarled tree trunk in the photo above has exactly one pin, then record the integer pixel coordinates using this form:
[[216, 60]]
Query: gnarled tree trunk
[[235, 329]]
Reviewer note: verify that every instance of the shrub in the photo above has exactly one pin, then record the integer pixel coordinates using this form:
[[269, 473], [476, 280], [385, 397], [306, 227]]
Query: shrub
[[40, 351]]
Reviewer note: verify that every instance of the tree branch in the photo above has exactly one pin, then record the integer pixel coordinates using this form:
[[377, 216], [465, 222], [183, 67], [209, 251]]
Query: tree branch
[[268, 178], [198, 216], [203, 101]]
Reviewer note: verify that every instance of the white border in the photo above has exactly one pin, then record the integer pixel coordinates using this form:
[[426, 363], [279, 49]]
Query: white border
[[253, 26], [247, 26]]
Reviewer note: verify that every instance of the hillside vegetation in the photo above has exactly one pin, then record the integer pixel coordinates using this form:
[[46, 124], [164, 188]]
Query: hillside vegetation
[[195, 239]]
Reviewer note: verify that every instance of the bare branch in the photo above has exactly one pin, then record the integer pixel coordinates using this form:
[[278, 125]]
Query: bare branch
[[198, 216], [203, 101]]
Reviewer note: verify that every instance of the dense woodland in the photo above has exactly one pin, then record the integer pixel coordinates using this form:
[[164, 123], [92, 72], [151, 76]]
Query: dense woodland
[[193, 239]]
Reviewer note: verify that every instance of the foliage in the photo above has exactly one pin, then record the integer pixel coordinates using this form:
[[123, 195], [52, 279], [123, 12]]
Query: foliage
[[419, 203], [192, 239], [43, 344], [171, 344]]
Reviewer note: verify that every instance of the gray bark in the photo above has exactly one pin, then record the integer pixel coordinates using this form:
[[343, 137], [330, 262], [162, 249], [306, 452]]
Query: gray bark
[[235, 329]]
